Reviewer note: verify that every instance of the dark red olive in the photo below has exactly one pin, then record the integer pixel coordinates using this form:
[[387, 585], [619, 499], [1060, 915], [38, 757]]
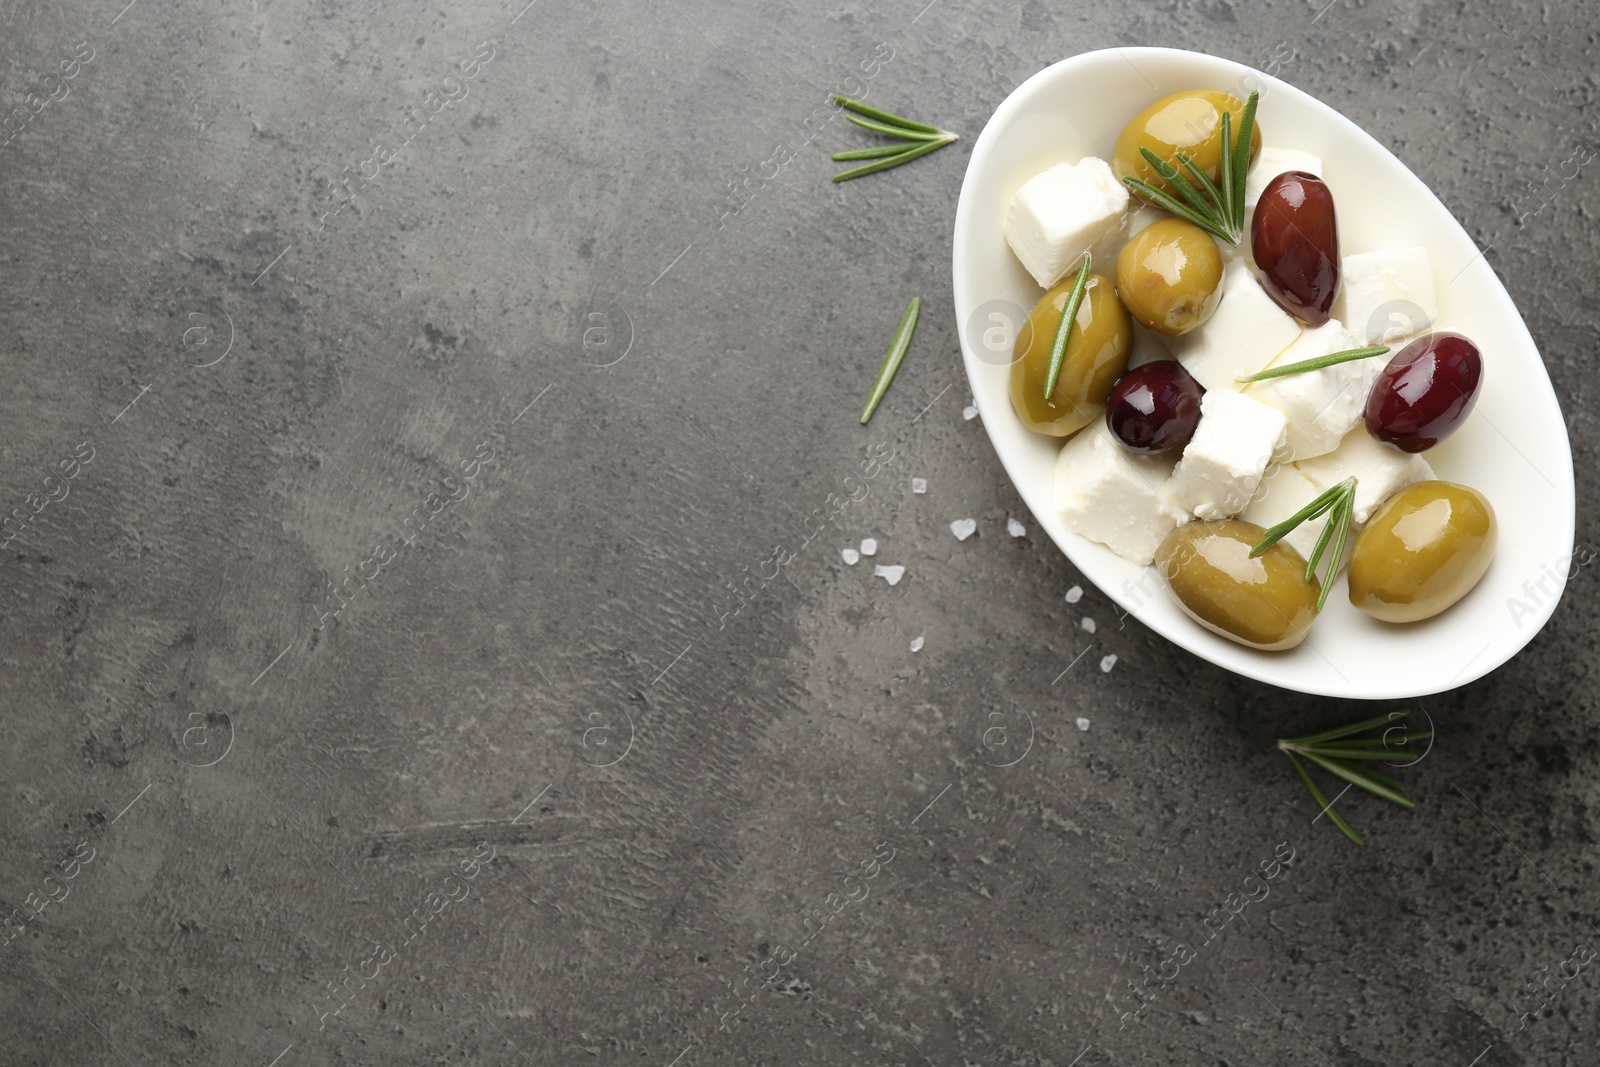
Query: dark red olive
[[1154, 408], [1425, 392], [1295, 240]]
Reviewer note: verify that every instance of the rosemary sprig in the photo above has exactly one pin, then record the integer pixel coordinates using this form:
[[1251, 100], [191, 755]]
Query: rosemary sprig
[[1339, 504], [1330, 360], [1069, 315], [1216, 207], [922, 139], [892, 358], [1345, 761]]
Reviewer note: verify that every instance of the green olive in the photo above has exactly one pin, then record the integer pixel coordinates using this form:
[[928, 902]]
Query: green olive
[[1189, 122], [1169, 276], [1096, 356], [1264, 602], [1422, 551]]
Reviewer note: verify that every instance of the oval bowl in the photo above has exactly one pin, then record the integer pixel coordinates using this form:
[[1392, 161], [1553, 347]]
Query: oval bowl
[[1514, 448]]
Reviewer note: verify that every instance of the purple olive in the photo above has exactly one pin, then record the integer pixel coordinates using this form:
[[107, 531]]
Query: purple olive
[[1425, 392], [1295, 239], [1154, 408]]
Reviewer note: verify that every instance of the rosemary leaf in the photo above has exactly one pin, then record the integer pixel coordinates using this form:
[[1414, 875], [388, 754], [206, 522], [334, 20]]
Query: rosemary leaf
[[1310, 511], [1241, 154], [1355, 752], [1225, 173], [1345, 731], [1316, 553], [875, 152], [892, 358], [1160, 199], [1322, 801], [1069, 315], [1342, 514], [1186, 189], [896, 131], [1355, 777], [1330, 360], [906, 155], [884, 116], [1212, 193]]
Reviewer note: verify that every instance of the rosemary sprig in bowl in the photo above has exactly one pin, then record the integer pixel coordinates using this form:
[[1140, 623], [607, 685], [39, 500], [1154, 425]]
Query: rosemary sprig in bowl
[[1338, 504], [1343, 754], [1330, 360], [1069, 315], [1216, 207], [919, 139]]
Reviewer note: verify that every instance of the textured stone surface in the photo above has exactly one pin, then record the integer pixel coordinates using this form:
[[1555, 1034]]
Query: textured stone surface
[[536, 669]]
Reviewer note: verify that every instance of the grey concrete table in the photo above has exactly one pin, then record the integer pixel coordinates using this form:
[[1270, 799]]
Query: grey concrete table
[[395, 394]]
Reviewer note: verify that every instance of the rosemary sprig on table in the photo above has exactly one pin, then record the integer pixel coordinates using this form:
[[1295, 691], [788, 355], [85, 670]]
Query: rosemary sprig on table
[[1216, 207], [1339, 505], [1069, 315], [892, 358], [1342, 754], [1330, 360], [921, 139]]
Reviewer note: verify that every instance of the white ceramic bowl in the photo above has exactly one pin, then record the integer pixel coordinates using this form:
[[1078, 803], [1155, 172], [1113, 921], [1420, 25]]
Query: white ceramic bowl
[[1513, 448]]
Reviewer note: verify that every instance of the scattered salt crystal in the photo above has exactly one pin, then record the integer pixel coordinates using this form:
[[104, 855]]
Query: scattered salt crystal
[[869, 547], [1109, 662], [969, 412], [1083, 724], [1015, 528], [916, 643], [1087, 624], [919, 485], [964, 528], [891, 574], [1074, 594], [851, 556]]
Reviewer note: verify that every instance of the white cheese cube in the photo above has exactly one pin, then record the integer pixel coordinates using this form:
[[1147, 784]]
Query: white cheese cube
[[1060, 214], [1380, 470], [1388, 295], [1284, 491], [1241, 337], [1112, 496], [1222, 465], [1321, 405], [1271, 162]]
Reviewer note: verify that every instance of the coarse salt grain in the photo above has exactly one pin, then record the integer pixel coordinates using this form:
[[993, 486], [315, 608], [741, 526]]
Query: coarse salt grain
[[891, 574], [851, 556], [1109, 662], [869, 547], [969, 412], [1015, 528], [919, 485], [1074, 594], [916, 644], [1083, 724], [964, 528], [1087, 624]]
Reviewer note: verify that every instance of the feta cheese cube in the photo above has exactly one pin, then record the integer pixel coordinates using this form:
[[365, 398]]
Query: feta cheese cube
[[1112, 496], [1271, 162], [1380, 470], [1060, 214], [1321, 405], [1284, 491], [1242, 336], [1222, 465], [1388, 295]]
